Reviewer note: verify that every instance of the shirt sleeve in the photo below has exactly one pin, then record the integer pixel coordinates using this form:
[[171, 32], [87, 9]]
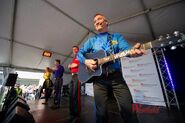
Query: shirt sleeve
[[83, 50]]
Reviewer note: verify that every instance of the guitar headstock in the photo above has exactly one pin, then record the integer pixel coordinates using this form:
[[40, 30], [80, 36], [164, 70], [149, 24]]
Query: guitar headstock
[[177, 38], [170, 40]]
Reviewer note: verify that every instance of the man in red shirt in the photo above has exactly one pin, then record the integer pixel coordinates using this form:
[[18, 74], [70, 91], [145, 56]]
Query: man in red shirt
[[74, 86]]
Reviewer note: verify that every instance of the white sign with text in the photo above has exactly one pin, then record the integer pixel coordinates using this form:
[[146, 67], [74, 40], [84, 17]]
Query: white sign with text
[[140, 74]]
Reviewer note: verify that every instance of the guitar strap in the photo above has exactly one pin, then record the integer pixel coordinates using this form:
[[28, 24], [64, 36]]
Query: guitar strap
[[105, 68], [110, 43]]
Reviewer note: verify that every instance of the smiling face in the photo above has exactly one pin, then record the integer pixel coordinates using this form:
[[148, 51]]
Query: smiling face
[[75, 50], [100, 23]]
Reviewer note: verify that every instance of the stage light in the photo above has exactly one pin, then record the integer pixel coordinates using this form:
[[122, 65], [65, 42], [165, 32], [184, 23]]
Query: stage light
[[169, 74], [47, 53], [173, 48]]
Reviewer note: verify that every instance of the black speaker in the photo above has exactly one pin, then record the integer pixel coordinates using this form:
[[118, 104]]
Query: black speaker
[[17, 102], [19, 115], [11, 80], [21, 98]]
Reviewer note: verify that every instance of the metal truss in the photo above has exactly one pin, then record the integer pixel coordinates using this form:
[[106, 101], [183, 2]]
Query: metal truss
[[166, 80]]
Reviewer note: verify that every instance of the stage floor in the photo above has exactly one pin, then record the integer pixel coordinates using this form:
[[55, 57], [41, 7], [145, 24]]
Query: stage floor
[[45, 114]]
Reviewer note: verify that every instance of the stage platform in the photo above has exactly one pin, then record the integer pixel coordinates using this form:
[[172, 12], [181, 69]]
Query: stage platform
[[45, 114]]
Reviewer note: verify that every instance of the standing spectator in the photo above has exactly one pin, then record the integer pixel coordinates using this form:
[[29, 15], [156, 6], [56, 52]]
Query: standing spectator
[[18, 90]]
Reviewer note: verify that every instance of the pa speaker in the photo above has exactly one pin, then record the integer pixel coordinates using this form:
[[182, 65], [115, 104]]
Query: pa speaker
[[19, 115], [11, 80], [17, 102]]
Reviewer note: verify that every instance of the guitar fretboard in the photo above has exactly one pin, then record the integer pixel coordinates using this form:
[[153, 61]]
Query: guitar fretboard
[[112, 57], [125, 53]]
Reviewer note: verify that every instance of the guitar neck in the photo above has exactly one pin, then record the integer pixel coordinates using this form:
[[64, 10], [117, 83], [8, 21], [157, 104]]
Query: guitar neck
[[178, 38], [125, 53], [112, 57]]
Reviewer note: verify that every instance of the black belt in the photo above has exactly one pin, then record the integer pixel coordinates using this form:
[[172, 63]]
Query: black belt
[[58, 78], [111, 71]]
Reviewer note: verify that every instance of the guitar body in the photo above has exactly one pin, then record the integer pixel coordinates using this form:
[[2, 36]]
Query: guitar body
[[86, 75]]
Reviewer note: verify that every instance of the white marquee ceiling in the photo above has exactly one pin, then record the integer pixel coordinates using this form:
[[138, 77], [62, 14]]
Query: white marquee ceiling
[[56, 25]]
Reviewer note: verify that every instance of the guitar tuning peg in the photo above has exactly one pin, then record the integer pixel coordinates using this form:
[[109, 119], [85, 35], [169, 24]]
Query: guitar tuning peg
[[176, 33], [182, 36], [168, 36], [170, 42], [162, 45], [182, 45], [180, 40], [161, 38]]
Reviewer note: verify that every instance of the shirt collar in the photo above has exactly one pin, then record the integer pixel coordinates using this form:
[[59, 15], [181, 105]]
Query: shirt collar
[[103, 33]]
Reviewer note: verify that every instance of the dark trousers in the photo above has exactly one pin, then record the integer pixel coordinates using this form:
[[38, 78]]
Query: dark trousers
[[115, 84], [57, 90], [48, 92], [74, 96]]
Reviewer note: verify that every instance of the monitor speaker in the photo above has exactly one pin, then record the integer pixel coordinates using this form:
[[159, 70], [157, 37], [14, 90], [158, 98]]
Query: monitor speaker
[[17, 102], [19, 115], [11, 80]]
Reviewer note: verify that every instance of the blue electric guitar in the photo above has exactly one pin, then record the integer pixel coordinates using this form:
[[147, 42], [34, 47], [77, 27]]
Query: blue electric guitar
[[86, 75]]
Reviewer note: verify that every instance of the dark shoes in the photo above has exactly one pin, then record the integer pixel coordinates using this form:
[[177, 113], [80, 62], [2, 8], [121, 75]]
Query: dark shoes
[[74, 119], [55, 107], [45, 103]]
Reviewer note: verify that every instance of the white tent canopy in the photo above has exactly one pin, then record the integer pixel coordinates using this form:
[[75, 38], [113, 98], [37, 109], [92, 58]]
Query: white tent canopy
[[28, 27]]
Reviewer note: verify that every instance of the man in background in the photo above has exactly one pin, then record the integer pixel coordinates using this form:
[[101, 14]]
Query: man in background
[[58, 71], [18, 90], [74, 86]]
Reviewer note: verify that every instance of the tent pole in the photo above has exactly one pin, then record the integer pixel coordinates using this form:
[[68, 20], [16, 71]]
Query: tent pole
[[145, 11], [68, 16], [83, 38], [12, 36]]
